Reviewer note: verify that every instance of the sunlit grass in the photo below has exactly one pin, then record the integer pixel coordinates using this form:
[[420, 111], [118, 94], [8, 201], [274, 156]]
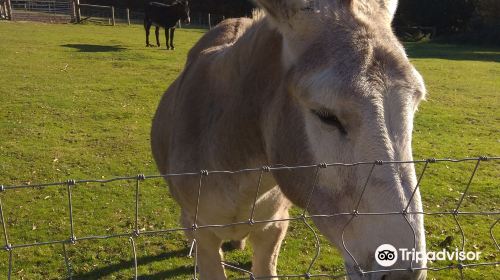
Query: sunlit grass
[[77, 102]]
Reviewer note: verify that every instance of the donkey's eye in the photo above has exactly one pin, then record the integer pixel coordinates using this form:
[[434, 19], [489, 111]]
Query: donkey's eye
[[329, 119]]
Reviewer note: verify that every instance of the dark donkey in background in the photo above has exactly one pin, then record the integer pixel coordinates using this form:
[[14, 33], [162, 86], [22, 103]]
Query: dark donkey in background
[[166, 16]]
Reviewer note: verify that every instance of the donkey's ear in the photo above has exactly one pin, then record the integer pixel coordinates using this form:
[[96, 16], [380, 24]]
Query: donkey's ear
[[283, 11]]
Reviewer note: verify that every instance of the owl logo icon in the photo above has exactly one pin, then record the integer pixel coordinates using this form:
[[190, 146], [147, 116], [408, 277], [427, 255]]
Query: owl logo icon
[[386, 255]]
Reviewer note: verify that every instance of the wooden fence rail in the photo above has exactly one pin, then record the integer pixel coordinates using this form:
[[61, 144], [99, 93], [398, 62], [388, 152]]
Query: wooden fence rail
[[78, 14]]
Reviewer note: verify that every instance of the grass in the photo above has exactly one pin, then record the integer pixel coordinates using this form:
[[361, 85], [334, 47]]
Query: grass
[[77, 102]]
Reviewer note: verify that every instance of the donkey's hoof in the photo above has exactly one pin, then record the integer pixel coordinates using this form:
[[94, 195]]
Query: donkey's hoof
[[238, 244]]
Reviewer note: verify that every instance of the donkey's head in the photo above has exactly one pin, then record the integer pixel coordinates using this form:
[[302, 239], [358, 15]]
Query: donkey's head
[[349, 95], [184, 11]]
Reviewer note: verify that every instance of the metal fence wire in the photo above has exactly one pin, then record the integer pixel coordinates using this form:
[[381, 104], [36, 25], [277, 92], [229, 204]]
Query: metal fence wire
[[304, 218], [48, 6], [42, 10]]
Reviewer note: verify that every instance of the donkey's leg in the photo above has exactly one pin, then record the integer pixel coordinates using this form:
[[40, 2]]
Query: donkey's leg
[[266, 245], [157, 33], [239, 244], [209, 251], [147, 27], [167, 30], [209, 255], [172, 31]]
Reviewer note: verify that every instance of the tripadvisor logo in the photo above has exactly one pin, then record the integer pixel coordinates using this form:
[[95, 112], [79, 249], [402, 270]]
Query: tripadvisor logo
[[387, 255]]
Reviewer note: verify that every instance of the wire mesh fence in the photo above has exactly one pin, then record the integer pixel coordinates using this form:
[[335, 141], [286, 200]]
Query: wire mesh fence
[[104, 15], [457, 212]]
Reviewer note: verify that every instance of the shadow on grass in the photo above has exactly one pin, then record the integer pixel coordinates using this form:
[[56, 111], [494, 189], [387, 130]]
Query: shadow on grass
[[168, 274], [452, 52], [103, 272], [94, 48], [195, 28], [187, 271]]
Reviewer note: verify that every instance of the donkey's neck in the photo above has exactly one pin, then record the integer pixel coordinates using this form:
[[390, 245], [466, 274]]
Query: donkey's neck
[[252, 71]]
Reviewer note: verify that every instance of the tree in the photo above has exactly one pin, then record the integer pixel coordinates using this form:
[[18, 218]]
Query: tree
[[229, 8], [489, 11], [447, 16]]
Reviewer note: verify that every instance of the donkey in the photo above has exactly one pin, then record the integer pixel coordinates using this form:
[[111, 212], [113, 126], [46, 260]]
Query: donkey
[[310, 82], [166, 16]]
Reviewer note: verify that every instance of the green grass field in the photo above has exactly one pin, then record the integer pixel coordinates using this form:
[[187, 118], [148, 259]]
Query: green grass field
[[77, 103]]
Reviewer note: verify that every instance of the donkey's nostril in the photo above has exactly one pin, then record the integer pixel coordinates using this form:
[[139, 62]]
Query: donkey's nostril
[[384, 277]]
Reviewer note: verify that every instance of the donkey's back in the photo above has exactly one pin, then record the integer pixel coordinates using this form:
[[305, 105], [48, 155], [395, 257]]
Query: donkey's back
[[182, 95], [223, 35], [160, 14]]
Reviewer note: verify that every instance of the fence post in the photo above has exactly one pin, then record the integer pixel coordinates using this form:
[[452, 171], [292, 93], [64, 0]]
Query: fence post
[[4, 10], [73, 11], [78, 11], [128, 16], [9, 10], [113, 15], [209, 22]]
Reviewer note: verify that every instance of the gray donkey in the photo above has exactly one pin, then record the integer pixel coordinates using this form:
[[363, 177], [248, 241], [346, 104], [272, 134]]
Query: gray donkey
[[310, 82]]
